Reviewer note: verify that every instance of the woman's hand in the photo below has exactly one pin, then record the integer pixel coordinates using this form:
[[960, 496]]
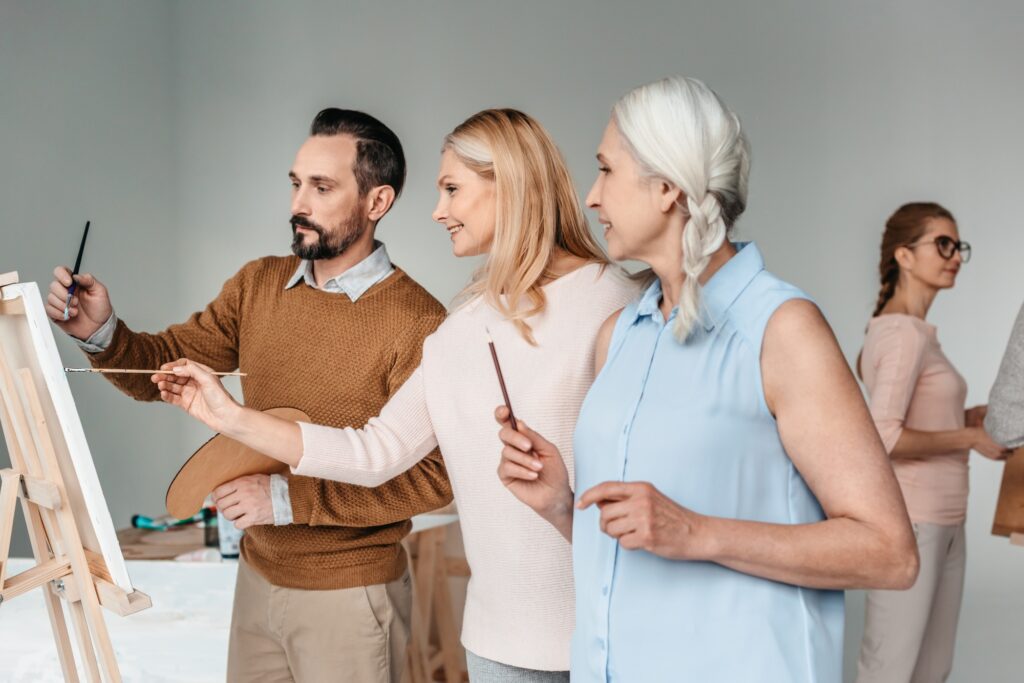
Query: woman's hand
[[975, 417], [533, 470], [641, 517], [195, 389], [984, 444]]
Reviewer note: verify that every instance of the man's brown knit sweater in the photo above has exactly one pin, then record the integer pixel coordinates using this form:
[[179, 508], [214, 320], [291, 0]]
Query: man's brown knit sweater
[[336, 360]]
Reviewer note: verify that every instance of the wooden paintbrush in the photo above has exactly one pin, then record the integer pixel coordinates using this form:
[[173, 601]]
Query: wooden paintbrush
[[115, 371], [501, 380]]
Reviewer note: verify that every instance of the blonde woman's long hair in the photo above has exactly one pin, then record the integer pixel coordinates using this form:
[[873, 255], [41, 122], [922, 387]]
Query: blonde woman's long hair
[[537, 211]]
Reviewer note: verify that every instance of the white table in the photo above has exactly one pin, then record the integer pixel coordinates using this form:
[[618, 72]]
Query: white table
[[182, 638]]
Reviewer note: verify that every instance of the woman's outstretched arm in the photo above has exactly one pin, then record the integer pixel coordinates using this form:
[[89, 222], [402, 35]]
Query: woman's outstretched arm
[[385, 447]]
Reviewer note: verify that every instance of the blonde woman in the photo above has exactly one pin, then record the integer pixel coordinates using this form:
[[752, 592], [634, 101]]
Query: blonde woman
[[542, 294], [729, 480]]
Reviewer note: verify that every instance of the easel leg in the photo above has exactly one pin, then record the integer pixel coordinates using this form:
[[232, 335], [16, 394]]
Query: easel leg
[[61, 638], [38, 532], [85, 608], [85, 648], [447, 632], [424, 595], [8, 496], [54, 610], [32, 454], [8, 502]]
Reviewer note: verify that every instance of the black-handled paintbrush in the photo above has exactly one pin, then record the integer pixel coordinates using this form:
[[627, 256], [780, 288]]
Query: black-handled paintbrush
[[78, 264]]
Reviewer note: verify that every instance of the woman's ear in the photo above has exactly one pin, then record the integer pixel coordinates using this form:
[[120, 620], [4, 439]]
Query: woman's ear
[[904, 257], [669, 196]]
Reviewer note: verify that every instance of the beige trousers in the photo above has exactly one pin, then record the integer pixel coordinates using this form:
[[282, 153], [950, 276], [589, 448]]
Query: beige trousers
[[909, 636], [287, 634]]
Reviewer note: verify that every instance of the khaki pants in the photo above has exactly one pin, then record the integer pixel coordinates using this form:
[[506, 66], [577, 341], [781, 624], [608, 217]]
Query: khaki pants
[[286, 634], [909, 635]]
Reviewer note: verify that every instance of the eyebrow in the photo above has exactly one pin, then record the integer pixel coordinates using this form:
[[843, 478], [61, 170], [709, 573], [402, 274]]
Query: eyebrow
[[600, 157], [443, 179], [314, 179]]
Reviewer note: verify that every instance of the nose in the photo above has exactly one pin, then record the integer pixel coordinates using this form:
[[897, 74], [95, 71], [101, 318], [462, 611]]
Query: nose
[[300, 205], [440, 214], [594, 196]]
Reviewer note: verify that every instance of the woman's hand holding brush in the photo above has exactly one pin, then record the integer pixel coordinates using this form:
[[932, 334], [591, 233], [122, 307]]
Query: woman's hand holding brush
[[533, 470]]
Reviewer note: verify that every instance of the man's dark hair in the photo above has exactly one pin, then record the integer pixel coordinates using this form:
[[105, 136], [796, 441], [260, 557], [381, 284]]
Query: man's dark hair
[[379, 156]]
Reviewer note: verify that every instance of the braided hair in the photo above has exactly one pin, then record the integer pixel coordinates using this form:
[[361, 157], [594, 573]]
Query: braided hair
[[904, 227], [678, 130]]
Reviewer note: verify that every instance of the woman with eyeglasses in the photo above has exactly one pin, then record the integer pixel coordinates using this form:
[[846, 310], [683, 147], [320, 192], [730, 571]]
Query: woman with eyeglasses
[[917, 399]]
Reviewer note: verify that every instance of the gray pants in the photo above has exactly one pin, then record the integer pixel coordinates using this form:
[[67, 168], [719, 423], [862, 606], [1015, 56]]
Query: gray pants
[[909, 636], [488, 671]]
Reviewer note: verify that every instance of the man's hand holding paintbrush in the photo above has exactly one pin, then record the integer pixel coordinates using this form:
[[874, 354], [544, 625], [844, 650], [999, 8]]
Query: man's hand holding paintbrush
[[88, 309], [78, 304]]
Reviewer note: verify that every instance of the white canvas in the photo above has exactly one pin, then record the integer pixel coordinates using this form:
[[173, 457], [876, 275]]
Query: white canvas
[[27, 341]]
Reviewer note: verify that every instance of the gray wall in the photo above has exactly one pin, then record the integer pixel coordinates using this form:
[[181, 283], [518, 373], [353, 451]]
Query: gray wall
[[87, 132], [852, 109]]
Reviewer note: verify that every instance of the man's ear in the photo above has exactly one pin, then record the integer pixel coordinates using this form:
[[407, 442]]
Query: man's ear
[[379, 201], [669, 196]]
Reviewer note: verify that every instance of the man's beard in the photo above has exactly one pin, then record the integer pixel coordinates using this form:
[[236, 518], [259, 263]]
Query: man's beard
[[331, 243]]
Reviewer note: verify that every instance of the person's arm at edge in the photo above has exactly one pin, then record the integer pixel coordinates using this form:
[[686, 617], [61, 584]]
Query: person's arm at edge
[[1005, 418]]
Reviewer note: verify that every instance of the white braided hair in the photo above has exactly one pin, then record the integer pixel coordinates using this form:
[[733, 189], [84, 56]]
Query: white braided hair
[[679, 131]]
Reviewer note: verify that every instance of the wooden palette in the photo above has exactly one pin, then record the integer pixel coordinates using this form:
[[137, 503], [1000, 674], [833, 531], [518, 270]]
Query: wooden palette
[[1009, 517], [218, 461]]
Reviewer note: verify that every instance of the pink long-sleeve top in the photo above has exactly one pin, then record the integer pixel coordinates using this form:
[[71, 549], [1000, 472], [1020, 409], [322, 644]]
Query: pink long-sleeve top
[[520, 601], [912, 385]]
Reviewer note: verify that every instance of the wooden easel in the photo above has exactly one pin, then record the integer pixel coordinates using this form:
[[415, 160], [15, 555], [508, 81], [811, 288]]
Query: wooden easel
[[432, 609], [64, 568]]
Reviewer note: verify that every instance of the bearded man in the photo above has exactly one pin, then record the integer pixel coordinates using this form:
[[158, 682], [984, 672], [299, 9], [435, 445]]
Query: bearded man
[[323, 591]]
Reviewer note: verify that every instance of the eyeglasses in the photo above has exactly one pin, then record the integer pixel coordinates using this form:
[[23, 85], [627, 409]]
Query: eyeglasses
[[947, 246]]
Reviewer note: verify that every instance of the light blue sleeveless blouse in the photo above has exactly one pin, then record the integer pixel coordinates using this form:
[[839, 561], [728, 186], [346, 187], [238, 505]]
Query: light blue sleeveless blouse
[[691, 419]]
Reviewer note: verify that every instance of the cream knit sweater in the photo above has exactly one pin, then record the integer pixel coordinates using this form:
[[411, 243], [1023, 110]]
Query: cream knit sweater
[[519, 603]]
